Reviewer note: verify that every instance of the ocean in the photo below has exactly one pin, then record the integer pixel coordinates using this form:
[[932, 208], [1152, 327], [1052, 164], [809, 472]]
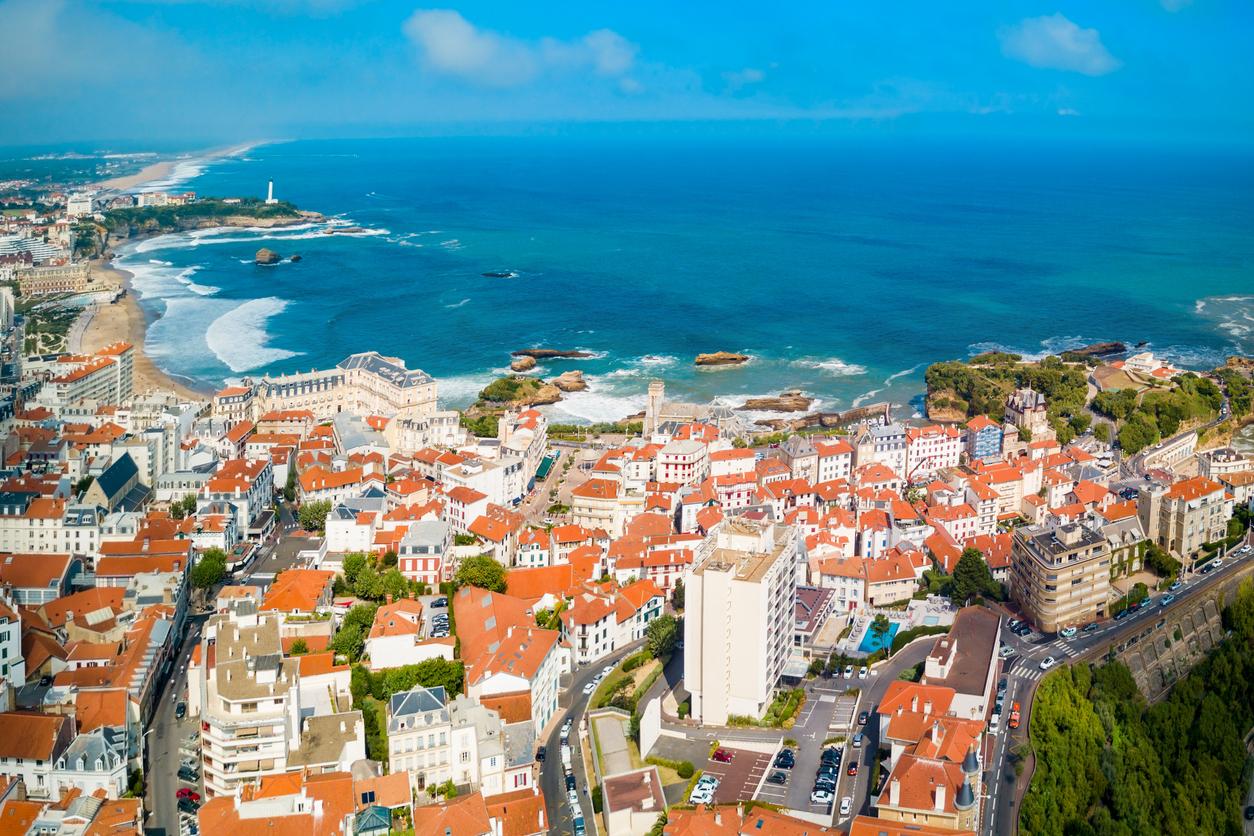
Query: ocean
[[842, 267]]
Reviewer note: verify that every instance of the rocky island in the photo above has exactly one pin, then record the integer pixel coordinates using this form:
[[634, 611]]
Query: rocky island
[[722, 358], [550, 354], [267, 257], [790, 401]]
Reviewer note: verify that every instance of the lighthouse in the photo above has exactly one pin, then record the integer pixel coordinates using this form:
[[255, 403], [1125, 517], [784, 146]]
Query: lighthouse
[[270, 194]]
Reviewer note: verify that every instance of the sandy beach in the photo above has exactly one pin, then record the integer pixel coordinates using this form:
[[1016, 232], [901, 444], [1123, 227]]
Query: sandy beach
[[147, 174], [125, 320]]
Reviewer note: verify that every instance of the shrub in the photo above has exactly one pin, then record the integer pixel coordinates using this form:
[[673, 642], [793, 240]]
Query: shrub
[[685, 770]]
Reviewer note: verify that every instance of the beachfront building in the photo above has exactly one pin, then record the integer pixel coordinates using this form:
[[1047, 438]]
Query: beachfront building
[[363, 384], [106, 377], [57, 278], [1186, 515], [1060, 574], [740, 616]]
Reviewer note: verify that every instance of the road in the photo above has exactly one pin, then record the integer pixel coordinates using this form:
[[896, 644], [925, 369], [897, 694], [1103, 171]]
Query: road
[[552, 778], [164, 731], [1024, 675]]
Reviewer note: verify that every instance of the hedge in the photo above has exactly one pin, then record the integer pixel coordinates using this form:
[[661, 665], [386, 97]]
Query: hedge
[[906, 636]]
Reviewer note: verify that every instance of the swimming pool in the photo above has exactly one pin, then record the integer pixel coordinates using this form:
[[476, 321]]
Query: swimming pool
[[871, 643], [931, 620]]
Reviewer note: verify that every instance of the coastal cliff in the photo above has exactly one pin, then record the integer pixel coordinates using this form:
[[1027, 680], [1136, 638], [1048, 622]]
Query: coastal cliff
[[201, 214]]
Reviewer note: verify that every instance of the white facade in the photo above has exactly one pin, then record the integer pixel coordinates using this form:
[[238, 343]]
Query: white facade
[[738, 625]]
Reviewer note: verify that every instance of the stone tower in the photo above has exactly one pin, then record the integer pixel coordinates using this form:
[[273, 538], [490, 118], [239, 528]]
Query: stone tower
[[653, 407]]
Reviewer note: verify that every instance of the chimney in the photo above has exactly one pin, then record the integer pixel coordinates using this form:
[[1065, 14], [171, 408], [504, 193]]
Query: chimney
[[388, 598], [718, 818], [894, 792], [940, 798], [927, 707], [914, 703]]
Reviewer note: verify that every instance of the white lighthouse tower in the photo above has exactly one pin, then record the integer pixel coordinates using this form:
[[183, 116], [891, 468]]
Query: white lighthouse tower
[[270, 194]]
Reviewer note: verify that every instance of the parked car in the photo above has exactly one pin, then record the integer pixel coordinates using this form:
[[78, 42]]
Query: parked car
[[785, 759], [1166, 599], [187, 792], [605, 671], [821, 797], [779, 778], [1175, 586], [1048, 662], [994, 722], [189, 775], [857, 740], [722, 755], [1068, 632], [440, 602], [590, 687], [848, 671], [186, 805], [1006, 651], [541, 753], [862, 672], [1091, 627], [180, 710], [846, 805], [1122, 614], [570, 783], [831, 756], [863, 717], [1013, 623]]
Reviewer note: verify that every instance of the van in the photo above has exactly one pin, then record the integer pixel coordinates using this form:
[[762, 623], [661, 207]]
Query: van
[[994, 722]]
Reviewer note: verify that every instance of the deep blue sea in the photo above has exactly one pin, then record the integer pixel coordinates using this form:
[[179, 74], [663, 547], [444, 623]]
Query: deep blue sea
[[843, 268]]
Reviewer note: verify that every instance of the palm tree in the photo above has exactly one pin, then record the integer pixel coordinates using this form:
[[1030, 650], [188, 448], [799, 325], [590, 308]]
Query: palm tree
[[879, 628]]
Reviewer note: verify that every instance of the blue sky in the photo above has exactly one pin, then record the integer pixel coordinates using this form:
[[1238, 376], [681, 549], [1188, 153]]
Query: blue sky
[[191, 70]]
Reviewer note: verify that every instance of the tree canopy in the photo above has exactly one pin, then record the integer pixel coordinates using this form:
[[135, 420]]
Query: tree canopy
[[481, 571], [210, 569], [313, 515], [661, 635], [972, 578]]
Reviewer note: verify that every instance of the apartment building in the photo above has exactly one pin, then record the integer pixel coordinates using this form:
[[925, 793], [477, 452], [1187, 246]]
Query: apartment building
[[930, 449], [1060, 574], [739, 621], [363, 384], [1185, 516]]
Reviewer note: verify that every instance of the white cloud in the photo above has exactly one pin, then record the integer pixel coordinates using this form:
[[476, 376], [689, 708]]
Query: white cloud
[[739, 79], [1054, 42], [451, 45]]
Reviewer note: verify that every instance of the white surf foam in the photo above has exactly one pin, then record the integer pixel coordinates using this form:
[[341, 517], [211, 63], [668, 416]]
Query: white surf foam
[[459, 304], [594, 407], [462, 390], [239, 337], [831, 365]]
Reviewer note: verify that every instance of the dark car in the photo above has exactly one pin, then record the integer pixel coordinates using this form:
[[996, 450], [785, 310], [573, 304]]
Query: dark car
[[1091, 627], [570, 783], [721, 755], [785, 760], [1249, 813], [1122, 614], [180, 710], [863, 717], [831, 752], [541, 753], [186, 805], [777, 778], [853, 768], [440, 602], [187, 774]]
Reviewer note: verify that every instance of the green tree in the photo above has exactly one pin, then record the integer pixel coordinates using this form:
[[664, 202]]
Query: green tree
[[1102, 433], [209, 569], [481, 571], [677, 595], [661, 635], [354, 562], [972, 578], [369, 584], [289, 489], [880, 625], [184, 507], [394, 583], [313, 515], [299, 648], [349, 642]]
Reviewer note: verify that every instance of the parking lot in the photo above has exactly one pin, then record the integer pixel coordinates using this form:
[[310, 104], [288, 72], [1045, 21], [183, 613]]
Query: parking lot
[[738, 780], [430, 612]]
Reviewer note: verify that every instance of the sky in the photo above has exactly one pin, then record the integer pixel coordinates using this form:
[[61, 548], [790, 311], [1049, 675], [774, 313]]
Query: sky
[[1169, 71]]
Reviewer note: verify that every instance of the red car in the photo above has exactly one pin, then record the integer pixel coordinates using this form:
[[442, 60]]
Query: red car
[[190, 794], [722, 756], [1014, 716], [853, 768]]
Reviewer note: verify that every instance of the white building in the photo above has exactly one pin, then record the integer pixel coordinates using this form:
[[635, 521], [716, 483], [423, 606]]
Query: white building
[[738, 624]]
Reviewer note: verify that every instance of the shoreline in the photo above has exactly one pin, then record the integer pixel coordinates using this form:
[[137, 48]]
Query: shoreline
[[125, 320], [162, 169]]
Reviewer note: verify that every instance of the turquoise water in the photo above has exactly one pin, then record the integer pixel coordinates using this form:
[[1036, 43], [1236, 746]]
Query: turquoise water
[[842, 268], [870, 643]]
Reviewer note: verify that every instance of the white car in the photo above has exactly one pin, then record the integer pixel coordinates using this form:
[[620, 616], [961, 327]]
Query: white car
[[1067, 632], [821, 797], [605, 671], [862, 672], [590, 687], [1048, 662], [1006, 651], [846, 804]]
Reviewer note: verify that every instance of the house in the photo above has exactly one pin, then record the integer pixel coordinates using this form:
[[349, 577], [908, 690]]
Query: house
[[396, 637], [632, 801], [38, 578]]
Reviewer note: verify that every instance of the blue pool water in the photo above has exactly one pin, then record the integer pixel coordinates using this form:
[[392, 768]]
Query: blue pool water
[[870, 643], [931, 620]]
